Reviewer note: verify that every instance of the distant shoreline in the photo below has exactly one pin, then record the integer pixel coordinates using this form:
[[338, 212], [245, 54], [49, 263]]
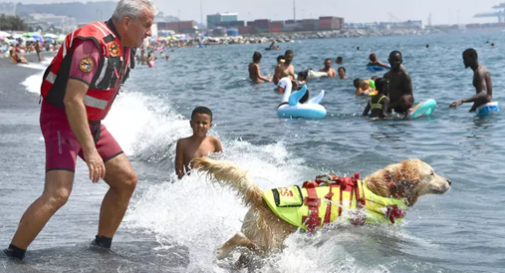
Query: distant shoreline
[[288, 37]]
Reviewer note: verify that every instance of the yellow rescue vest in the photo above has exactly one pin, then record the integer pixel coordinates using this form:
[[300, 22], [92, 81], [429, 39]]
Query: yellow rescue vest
[[291, 205]]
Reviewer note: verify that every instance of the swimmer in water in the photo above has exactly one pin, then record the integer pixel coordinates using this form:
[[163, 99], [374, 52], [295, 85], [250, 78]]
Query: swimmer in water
[[427, 46], [363, 87], [481, 81], [254, 69], [339, 60], [400, 84], [285, 69], [379, 103], [328, 70], [341, 73], [374, 61], [197, 145]]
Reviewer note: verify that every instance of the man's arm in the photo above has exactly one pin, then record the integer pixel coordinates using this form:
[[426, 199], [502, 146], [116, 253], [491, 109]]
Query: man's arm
[[367, 108], [384, 65], [179, 159], [78, 120], [482, 91], [276, 74], [385, 106], [259, 74], [408, 86], [85, 59]]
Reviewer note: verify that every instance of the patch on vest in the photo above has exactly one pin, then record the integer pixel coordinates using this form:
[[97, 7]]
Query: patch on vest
[[288, 197], [113, 49], [86, 65]]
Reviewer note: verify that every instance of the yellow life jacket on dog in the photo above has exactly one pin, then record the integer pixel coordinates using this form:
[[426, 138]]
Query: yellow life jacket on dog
[[316, 203]]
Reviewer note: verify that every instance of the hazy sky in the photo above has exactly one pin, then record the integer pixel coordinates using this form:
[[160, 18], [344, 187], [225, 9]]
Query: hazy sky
[[443, 11]]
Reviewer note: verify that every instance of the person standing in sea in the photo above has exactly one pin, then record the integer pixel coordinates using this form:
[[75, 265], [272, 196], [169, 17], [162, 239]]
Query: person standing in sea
[[78, 89], [482, 83]]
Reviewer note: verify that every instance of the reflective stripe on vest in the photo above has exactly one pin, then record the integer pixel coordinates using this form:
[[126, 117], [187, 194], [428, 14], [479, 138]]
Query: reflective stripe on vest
[[51, 77], [96, 103], [113, 66]]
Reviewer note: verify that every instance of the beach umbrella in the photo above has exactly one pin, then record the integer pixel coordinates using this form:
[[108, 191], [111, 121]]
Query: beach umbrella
[[28, 35], [17, 36]]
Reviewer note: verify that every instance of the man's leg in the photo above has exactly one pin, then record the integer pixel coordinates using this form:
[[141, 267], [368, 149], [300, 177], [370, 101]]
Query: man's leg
[[122, 181], [57, 189]]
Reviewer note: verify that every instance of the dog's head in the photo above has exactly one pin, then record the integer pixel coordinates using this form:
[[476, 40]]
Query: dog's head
[[408, 179]]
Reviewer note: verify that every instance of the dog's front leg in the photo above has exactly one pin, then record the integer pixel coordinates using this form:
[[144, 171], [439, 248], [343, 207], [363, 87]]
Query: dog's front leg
[[238, 240]]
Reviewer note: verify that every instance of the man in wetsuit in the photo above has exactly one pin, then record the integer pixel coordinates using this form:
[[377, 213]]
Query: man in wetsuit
[[285, 69], [328, 70], [400, 84], [481, 81], [78, 90]]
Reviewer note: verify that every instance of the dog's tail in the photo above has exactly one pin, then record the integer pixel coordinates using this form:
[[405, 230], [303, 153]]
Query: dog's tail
[[230, 175]]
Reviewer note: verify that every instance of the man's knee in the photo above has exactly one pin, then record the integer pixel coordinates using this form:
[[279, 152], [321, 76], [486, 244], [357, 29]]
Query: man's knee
[[58, 198], [130, 182]]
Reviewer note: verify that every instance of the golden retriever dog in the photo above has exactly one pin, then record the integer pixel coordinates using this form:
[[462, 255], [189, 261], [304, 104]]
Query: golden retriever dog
[[263, 231]]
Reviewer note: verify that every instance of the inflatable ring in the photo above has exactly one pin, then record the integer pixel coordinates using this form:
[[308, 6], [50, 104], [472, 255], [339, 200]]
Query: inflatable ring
[[292, 108], [375, 68], [423, 109]]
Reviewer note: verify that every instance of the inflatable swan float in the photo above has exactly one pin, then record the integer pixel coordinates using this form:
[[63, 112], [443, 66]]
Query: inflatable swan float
[[290, 106]]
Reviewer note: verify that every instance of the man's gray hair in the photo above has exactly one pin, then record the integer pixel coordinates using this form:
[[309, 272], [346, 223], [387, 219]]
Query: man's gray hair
[[132, 9]]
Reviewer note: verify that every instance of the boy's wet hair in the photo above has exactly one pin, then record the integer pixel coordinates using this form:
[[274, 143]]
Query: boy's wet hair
[[201, 110], [343, 68], [357, 82], [372, 57]]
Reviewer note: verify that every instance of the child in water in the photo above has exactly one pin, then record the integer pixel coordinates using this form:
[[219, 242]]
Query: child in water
[[197, 145], [302, 80], [379, 103], [364, 87]]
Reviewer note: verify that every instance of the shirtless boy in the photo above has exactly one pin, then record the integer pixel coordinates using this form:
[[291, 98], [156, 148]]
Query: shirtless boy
[[481, 81], [197, 145], [400, 84], [254, 69], [285, 69]]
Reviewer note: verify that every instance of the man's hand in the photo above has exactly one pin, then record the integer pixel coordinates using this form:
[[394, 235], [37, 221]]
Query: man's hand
[[95, 165], [456, 104]]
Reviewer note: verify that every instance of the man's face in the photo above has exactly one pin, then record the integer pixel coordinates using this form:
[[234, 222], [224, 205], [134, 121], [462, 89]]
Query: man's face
[[201, 123], [137, 30], [327, 64], [395, 61], [288, 58], [468, 60]]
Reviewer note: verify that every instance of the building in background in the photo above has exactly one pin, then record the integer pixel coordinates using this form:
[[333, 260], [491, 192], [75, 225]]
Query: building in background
[[219, 18]]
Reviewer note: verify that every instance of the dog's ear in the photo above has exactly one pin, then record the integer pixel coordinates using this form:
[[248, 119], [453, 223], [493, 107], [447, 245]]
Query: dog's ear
[[408, 170]]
